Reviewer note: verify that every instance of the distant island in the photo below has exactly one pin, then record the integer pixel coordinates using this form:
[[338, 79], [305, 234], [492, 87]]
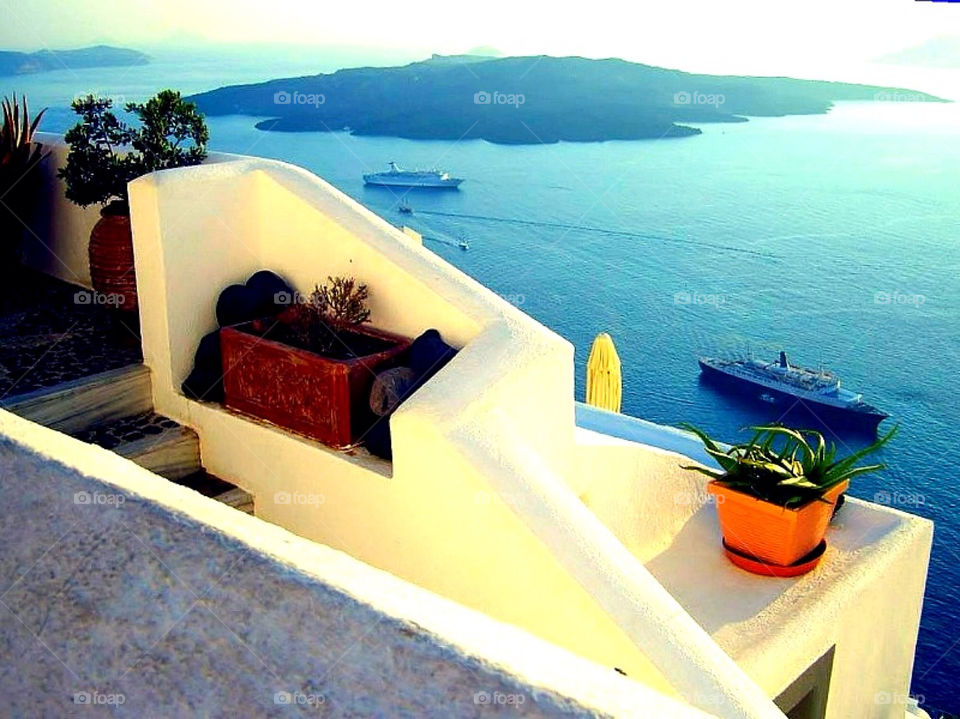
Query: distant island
[[25, 63], [527, 100]]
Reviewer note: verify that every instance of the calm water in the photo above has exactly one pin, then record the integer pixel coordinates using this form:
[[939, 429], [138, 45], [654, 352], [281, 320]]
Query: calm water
[[787, 232]]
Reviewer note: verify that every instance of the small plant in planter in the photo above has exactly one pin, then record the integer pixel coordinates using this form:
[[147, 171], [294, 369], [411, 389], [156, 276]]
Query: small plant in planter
[[310, 368], [106, 153], [19, 156], [331, 313], [776, 493]]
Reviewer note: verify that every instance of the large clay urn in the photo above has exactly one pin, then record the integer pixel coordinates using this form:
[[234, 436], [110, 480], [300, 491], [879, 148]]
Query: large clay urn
[[111, 258]]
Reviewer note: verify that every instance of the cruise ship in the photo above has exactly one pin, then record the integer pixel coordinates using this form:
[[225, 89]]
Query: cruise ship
[[396, 176], [781, 383]]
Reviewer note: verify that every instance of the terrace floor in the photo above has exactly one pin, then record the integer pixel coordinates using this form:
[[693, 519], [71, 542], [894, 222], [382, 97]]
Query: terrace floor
[[77, 366], [51, 332]]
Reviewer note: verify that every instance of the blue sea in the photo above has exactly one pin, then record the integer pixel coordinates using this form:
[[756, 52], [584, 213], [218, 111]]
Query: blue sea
[[835, 237]]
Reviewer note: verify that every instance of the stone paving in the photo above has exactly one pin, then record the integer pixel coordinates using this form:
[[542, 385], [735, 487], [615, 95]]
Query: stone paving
[[127, 429], [53, 332]]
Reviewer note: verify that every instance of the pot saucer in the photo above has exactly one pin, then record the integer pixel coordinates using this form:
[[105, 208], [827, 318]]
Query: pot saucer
[[757, 566]]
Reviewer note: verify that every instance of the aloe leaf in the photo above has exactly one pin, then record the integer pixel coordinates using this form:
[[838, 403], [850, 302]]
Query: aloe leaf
[[713, 474], [36, 122], [847, 462]]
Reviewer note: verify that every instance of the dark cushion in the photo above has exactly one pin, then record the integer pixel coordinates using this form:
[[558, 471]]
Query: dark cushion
[[264, 295], [377, 439], [236, 304], [390, 388], [208, 354], [204, 384], [428, 354], [273, 293]]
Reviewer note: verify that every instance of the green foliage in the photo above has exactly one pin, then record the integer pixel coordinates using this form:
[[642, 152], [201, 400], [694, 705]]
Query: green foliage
[[336, 307], [97, 171], [106, 153], [18, 151], [169, 121], [19, 154], [787, 467]]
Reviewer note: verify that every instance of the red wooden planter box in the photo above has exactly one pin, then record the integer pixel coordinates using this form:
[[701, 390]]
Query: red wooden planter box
[[324, 398]]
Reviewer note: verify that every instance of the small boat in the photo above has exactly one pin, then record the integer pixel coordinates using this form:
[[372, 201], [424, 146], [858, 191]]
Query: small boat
[[405, 209], [463, 244], [768, 398]]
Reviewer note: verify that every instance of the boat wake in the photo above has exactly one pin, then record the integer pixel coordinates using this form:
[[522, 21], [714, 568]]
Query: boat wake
[[602, 230]]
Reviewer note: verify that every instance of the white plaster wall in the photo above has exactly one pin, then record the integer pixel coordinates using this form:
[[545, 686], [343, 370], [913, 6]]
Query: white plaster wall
[[865, 599], [435, 521], [198, 229], [184, 607], [455, 516], [58, 232]]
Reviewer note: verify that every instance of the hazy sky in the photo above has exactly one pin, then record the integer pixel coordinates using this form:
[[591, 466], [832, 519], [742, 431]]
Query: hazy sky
[[760, 36]]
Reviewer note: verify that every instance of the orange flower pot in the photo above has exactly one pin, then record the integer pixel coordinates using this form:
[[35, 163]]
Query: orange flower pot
[[768, 532]]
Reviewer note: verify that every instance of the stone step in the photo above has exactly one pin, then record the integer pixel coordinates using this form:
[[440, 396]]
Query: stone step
[[168, 449], [76, 405], [218, 489], [115, 411], [237, 498], [151, 440], [174, 453]]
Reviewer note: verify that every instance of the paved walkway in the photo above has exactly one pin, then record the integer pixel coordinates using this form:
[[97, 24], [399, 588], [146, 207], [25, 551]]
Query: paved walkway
[[53, 332]]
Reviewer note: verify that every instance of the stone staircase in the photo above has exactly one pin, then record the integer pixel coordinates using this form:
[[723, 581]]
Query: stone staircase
[[114, 410]]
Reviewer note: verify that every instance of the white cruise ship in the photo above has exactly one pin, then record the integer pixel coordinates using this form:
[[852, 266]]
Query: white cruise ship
[[396, 176]]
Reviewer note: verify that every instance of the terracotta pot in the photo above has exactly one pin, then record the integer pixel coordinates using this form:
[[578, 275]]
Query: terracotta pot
[[111, 260], [324, 398], [769, 532]]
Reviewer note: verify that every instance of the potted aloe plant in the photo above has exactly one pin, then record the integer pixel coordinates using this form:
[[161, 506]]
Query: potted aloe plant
[[19, 156], [310, 368], [777, 492], [105, 154]]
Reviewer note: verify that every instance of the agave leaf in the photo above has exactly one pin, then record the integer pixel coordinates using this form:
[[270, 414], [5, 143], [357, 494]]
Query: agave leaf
[[15, 126], [844, 465], [728, 463], [830, 454], [837, 477], [821, 450], [36, 122], [801, 482], [772, 468], [785, 466], [17, 131], [713, 474], [798, 439], [708, 443]]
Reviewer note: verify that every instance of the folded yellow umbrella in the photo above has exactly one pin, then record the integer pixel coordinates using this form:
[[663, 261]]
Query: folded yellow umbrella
[[604, 383]]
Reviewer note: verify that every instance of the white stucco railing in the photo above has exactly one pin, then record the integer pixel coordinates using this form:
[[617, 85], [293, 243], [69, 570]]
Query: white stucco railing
[[504, 495], [634, 429], [240, 611], [578, 525], [499, 418]]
